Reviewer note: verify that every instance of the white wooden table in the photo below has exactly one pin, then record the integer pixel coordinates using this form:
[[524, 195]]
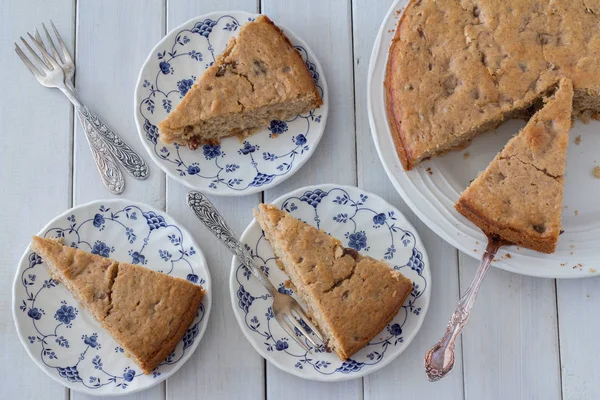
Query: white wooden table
[[527, 339]]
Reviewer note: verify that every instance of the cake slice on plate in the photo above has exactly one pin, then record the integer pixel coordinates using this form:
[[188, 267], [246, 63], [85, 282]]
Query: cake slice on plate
[[350, 297], [519, 196], [145, 311], [259, 77]]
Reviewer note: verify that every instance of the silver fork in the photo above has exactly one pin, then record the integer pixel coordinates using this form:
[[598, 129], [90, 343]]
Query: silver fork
[[287, 311]]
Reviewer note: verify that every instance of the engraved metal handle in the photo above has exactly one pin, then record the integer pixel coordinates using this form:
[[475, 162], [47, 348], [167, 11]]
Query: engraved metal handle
[[129, 159], [210, 216], [111, 175], [439, 360]]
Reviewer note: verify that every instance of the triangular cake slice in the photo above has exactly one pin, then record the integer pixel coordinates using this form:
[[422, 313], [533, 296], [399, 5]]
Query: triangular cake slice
[[350, 297], [259, 77], [519, 196], [145, 311]]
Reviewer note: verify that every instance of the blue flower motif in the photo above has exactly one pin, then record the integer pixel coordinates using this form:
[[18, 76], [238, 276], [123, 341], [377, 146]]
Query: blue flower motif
[[269, 314], [395, 329], [190, 335], [211, 152], [313, 197], [204, 28], [281, 345], [300, 140], [69, 373], [192, 278], [357, 240], [65, 314], [165, 67], [283, 290], [184, 85], [313, 71], [128, 375], [91, 341], [101, 249], [34, 313], [137, 258], [379, 219], [349, 366], [193, 169], [196, 55], [151, 132], [278, 127], [154, 220], [415, 262], [98, 220], [247, 149]]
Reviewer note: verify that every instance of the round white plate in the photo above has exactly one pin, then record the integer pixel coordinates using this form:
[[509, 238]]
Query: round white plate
[[361, 221], [235, 168], [62, 338], [432, 188]]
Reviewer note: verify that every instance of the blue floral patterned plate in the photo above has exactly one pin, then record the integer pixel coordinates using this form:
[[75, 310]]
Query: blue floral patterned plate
[[62, 337], [234, 168], [361, 221]]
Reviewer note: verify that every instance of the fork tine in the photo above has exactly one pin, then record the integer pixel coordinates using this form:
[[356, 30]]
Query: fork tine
[[291, 332], [53, 63], [38, 38], [307, 321], [27, 62], [55, 52], [303, 331], [44, 65], [61, 44]]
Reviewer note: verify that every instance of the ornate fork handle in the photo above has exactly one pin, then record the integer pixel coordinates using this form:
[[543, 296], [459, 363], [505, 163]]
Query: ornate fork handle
[[210, 216], [439, 360], [111, 175], [129, 159]]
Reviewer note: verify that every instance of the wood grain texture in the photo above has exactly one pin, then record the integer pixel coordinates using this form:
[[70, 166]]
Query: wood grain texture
[[443, 258], [35, 124], [510, 345], [225, 366], [578, 305], [327, 29], [113, 40]]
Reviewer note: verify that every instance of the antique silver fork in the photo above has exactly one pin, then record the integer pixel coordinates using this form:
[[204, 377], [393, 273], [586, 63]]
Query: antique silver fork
[[57, 71], [287, 311]]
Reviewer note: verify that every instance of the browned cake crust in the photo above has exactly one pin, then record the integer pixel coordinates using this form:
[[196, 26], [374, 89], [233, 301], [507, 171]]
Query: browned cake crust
[[259, 77], [145, 311], [350, 297], [459, 68], [519, 196]]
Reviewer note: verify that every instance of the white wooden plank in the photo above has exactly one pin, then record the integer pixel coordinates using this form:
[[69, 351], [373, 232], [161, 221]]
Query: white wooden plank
[[113, 40], [36, 149], [578, 305], [225, 366], [510, 346], [327, 29], [443, 258]]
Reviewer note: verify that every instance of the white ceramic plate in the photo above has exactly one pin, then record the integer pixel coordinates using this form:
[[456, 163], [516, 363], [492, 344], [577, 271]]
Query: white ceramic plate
[[361, 221], [432, 195], [235, 168], [62, 338]]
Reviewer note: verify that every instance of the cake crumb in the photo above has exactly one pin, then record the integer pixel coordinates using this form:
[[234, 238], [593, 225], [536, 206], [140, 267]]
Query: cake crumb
[[592, 270], [508, 255], [597, 172], [572, 246], [466, 155], [576, 212], [578, 140], [571, 253], [562, 264], [429, 170]]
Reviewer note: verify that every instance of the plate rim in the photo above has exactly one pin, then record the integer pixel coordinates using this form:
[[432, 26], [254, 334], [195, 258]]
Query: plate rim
[[253, 190], [84, 389], [343, 377], [376, 53]]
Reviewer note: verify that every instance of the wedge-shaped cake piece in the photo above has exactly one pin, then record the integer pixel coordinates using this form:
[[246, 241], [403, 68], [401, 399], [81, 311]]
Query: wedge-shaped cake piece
[[145, 311], [519, 196], [259, 77], [350, 297]]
